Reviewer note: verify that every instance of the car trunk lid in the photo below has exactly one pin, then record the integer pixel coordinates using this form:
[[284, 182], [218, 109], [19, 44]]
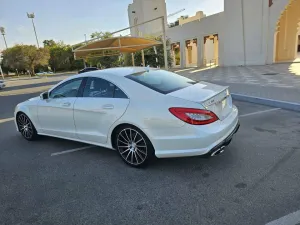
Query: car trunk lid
[[213, 97]]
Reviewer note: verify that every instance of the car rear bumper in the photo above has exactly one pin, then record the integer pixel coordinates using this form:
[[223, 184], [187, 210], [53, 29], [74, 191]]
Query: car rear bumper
[[197, 140], [225, 142]]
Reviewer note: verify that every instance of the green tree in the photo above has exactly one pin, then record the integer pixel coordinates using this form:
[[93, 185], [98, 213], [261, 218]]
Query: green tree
[[35, 56], [101, 35], [61, 56], [13, 58], [25, 57], [49, 43]]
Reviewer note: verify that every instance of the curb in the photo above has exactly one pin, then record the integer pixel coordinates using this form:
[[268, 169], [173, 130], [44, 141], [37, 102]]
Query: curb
[[269, 102], [38, 76]]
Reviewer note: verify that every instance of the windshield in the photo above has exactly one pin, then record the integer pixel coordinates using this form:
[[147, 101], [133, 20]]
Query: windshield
[[161, 81]]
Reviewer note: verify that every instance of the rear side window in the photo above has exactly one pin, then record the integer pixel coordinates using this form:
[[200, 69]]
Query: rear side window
[[100, 88], [161, 81], [119, 93]]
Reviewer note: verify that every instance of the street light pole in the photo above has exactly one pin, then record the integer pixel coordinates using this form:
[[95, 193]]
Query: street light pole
[[2, 30], [31, 16], [164, 39]]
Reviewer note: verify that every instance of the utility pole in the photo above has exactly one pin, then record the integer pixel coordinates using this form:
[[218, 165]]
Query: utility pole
[[164, 40], [2, 30], [1, 67], [1, 72], [31, 16], [84, 63]]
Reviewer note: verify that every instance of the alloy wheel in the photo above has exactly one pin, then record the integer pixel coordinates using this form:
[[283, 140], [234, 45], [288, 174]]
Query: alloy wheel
[[25, 126], [132, 146]]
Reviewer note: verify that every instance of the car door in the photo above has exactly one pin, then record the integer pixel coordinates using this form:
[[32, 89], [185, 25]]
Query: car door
[[56, 113], [102, 104]]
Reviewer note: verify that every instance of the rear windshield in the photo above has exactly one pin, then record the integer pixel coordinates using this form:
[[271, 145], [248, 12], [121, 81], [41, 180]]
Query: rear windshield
[[161, 81]]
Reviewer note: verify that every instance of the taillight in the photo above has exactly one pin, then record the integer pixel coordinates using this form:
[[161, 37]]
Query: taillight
[[194, 116]]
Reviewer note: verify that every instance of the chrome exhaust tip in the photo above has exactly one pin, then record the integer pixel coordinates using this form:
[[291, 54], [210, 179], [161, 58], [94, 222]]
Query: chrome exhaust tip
[[218, 151]]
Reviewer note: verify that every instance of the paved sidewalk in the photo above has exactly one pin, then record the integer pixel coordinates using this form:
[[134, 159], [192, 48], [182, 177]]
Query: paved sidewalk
[[278, 81]]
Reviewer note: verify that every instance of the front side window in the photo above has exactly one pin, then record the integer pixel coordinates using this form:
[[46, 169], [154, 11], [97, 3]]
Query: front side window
[[161, 81], [66, 90]]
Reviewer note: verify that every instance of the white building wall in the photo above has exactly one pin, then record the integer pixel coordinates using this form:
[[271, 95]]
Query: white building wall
[[209, 50], [199, 15], [233, 38], [245, 29], [249, 36], [245, 32], [145, 10], [198, 29]]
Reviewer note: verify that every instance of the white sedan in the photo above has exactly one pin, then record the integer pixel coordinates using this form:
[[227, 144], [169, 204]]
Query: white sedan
[[140, 112]]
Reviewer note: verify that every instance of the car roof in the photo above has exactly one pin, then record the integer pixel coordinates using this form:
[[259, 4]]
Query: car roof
[[122, 71], [112, 72]]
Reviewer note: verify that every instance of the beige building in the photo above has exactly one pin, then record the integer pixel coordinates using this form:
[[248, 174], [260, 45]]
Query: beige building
[[255, 32], [199, 15]]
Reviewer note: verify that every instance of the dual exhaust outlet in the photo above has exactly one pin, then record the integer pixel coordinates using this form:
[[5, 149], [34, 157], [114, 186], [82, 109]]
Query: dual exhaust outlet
[[218, 151]]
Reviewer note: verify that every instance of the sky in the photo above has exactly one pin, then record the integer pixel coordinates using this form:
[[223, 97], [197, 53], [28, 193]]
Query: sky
[[69, 20]]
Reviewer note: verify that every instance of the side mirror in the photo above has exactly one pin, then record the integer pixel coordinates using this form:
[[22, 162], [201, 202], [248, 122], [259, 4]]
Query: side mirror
[[44, 95]]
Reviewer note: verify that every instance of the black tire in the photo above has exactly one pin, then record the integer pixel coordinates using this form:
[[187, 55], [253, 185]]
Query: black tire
[[133, 146], [26, 127]]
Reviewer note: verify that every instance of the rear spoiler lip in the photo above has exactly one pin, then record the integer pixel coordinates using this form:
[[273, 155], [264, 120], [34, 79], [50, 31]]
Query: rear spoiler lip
[[214, 95]]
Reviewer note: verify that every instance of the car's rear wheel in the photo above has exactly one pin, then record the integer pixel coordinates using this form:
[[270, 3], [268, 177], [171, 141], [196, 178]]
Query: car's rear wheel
[[26, 127], [133, 146]]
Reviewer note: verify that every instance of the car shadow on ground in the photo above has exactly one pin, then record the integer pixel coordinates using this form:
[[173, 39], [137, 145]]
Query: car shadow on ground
[[195, 163]]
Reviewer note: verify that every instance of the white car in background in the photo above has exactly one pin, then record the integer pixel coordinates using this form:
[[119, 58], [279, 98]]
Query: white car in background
[[140, 112], [2, 84]]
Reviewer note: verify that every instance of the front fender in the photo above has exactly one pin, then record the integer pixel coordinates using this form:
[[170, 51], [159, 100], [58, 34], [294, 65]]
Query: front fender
[[30, 109]]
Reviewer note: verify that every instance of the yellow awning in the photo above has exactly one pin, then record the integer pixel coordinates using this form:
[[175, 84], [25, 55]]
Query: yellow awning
[[113, 46]]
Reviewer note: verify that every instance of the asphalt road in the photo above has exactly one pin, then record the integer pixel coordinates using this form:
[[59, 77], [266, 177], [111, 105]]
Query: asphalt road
[[255, 181]]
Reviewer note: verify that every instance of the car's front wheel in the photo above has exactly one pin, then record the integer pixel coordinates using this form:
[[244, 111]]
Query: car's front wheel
[[133, 146], [26, 127]]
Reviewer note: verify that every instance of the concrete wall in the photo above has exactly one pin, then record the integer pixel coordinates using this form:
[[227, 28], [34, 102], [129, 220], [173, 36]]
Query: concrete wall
[[250, 31], [245, 23], [191, 54], [209, 50], [246, 30], [198, 29]]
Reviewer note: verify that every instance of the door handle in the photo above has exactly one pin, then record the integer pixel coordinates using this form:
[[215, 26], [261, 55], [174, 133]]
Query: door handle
[[107, 107], [66, 104]]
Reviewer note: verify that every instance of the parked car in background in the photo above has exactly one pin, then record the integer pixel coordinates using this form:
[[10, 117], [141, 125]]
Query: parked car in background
[[44, 73], [88, 69], [2, 84]]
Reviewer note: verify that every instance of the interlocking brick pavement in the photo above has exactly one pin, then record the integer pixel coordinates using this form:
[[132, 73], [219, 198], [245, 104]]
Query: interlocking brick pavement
[[282, 81]]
